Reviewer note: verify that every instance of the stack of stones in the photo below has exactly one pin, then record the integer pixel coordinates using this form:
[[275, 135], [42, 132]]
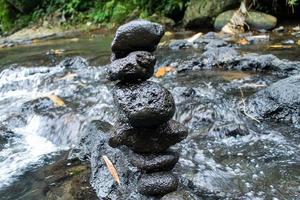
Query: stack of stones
[[145, 108]]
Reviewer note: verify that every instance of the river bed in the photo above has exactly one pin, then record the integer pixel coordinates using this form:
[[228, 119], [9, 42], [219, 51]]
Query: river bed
[[262, 164]]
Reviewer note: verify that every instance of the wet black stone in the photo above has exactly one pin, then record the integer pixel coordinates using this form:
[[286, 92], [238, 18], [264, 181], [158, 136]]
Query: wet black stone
[[93, 145], [160, 183], [279, 102], [138, 65], [154, 162], [137, 35], [145, 105], [151, 140]]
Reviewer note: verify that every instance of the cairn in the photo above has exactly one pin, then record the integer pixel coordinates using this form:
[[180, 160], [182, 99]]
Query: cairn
[[145, 108]]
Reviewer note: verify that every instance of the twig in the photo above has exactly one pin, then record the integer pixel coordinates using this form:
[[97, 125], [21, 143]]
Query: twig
[[244, 107]]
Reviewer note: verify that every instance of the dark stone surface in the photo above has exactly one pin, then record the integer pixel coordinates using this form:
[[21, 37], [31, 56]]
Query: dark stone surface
[[279, 102], [154, 162], [137, 66], [145, 105], [159, 183], [93, 145], [137, 35], [144, 140]]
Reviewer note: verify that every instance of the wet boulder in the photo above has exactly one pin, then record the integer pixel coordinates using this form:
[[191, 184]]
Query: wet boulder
[[137, 66], [145, 105], [159, 183], [137, 35], [148, 140], [279, 102], [164, 161]]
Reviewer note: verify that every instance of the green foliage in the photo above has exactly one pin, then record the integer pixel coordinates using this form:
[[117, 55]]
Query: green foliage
[[292, 2], [5, 16], [97, 11]]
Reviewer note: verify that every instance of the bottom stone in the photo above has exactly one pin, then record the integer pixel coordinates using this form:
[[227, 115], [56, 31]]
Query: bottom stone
[[156, 184]]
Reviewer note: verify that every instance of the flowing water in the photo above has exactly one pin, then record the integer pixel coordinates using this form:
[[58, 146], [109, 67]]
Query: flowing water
[[44, 106]]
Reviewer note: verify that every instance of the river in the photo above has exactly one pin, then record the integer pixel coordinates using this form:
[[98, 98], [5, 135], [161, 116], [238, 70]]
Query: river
[[34, 133]]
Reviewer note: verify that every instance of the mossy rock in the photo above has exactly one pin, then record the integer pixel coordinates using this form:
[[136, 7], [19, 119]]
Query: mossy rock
[[201, 13], [256, 20]]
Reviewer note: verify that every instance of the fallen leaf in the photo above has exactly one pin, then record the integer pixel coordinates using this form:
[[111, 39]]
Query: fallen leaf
[[194, 37], [280, 46], [57, 52], [56, 100], [36, 41], [298, 42], [242, 41], [69, 76], [74, 39], [162, 71], [168, 33], [112, 170], [161, 44], [234, 75]]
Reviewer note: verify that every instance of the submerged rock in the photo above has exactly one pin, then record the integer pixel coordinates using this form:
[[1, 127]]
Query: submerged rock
[[137, 35], [159, 183], [154, 162], [279, 102], [148, 140], [145, 105], [136, 66]]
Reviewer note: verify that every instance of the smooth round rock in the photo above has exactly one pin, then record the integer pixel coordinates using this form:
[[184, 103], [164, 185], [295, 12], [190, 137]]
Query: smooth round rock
[[145, 105], [154, 162], [137, 66], [137, 35], [146, 140], [155, 184]]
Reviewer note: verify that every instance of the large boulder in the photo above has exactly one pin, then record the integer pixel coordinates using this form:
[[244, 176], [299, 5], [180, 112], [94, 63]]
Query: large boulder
[[256, 20], [93, 146], [201, 13], [278, 102]]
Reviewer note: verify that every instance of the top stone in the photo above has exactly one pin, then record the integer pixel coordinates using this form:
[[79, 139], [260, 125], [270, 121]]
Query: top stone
[[137, 35]]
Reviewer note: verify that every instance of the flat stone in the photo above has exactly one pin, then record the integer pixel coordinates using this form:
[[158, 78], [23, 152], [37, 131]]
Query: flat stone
[[148, 140], [137, 66], [155, 184], [154, 162], [145, 105], [137, 35]]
